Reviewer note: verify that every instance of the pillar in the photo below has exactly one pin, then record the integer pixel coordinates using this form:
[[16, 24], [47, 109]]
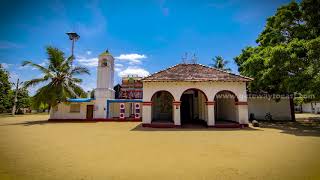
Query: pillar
[[210, 112], [146, 112], [176, 113], [242, 113]]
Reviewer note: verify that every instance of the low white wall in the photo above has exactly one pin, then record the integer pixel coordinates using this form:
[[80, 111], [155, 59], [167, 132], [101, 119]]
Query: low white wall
[[63, 111], [260, 106], [311, 107]]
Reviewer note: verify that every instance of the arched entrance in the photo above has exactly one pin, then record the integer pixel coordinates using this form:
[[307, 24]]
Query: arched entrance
[[225, 107], [193, 107], [162, 107]]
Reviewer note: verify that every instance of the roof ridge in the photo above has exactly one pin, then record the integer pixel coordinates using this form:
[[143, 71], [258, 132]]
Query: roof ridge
[[199, 65], [157, 72], [226, 71]]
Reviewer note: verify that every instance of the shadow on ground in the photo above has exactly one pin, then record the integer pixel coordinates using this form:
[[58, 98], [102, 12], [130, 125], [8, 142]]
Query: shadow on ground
[[192, 128], [44, 122], [298, 128]]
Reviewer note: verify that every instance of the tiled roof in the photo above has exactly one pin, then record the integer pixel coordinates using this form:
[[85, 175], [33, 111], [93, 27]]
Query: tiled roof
[[194, 72]]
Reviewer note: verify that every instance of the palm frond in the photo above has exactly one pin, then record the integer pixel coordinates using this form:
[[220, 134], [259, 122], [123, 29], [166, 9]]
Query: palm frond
[[76, 80], [69, 90], [78, 90], [55, 57], [34, 82], [39, 67], [80, 70]]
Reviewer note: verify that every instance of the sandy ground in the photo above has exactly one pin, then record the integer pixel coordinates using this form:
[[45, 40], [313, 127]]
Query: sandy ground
[[32, 148]]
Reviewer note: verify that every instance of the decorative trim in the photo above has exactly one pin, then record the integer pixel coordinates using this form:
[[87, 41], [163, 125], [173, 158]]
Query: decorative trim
[[210, 103], [176, 102], [147, 103], [241, 103]]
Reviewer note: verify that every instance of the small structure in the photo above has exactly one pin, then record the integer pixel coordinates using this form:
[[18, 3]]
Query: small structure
[[104, 107], [194, 93]]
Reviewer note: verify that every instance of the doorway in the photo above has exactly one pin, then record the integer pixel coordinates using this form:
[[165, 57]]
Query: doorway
[[162, 107], [193, 108], [186, 108], [89, 111]]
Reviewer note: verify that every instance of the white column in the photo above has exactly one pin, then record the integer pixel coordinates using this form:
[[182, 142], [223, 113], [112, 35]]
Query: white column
[[146, 112], [176, 113], [210, 110], [242, 112]]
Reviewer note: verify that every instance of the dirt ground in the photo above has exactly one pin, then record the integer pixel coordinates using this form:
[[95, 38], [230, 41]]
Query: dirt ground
[[32, 148]]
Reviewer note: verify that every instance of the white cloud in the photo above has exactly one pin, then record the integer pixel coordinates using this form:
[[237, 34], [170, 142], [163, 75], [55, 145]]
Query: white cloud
[[13, 76], [91, 62], [89, 52], [5, 65], [132, 58], [137, 71], [43, 63], [118, 65]]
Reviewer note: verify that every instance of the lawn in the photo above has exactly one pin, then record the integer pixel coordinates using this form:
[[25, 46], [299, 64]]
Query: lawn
[[32, 148]]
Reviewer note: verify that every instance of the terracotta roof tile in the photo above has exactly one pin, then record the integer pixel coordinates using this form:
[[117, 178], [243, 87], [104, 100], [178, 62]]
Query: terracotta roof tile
[[194, 72]]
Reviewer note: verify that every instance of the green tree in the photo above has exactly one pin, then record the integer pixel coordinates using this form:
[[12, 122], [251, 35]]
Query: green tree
[[5, 88], [58, 81], [220, 63], [287, 58], [23, 99]]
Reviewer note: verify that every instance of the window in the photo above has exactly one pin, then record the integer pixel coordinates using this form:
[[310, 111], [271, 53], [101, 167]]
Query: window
[[75, 108]]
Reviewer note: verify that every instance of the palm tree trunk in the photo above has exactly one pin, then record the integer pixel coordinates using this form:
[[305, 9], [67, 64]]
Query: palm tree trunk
[[15, 99]]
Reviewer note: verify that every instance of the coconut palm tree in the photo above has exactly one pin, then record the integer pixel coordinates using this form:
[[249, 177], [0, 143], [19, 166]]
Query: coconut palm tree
[[58, 81], [220, 63]]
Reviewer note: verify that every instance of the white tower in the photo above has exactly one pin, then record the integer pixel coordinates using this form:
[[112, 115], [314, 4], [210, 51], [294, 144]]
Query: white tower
[[105, 78]]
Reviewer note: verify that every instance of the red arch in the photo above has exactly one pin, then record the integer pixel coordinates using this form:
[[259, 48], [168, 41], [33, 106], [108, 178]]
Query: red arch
[[162, 91], [227, 91], [195, 89]]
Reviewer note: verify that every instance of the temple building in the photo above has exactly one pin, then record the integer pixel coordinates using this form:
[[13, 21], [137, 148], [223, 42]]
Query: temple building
[[179, 95]]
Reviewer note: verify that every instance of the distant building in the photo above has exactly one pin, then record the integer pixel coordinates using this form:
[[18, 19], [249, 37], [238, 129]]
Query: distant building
[[131, 88]]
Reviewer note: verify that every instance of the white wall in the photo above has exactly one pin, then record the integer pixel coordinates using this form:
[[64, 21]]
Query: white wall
[[279, 110], [209, 88], [311, 107], [64, 111]]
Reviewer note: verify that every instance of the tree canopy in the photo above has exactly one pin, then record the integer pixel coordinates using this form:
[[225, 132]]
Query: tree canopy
[[58, 81], [23, 99], [5, 88], [287, 57]]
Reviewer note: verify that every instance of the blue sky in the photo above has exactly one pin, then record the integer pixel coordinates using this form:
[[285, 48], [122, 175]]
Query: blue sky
[[144, 36]]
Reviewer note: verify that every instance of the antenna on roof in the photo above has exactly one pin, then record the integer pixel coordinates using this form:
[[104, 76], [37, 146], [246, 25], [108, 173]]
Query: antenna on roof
[[194, 59], [184, 58]]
